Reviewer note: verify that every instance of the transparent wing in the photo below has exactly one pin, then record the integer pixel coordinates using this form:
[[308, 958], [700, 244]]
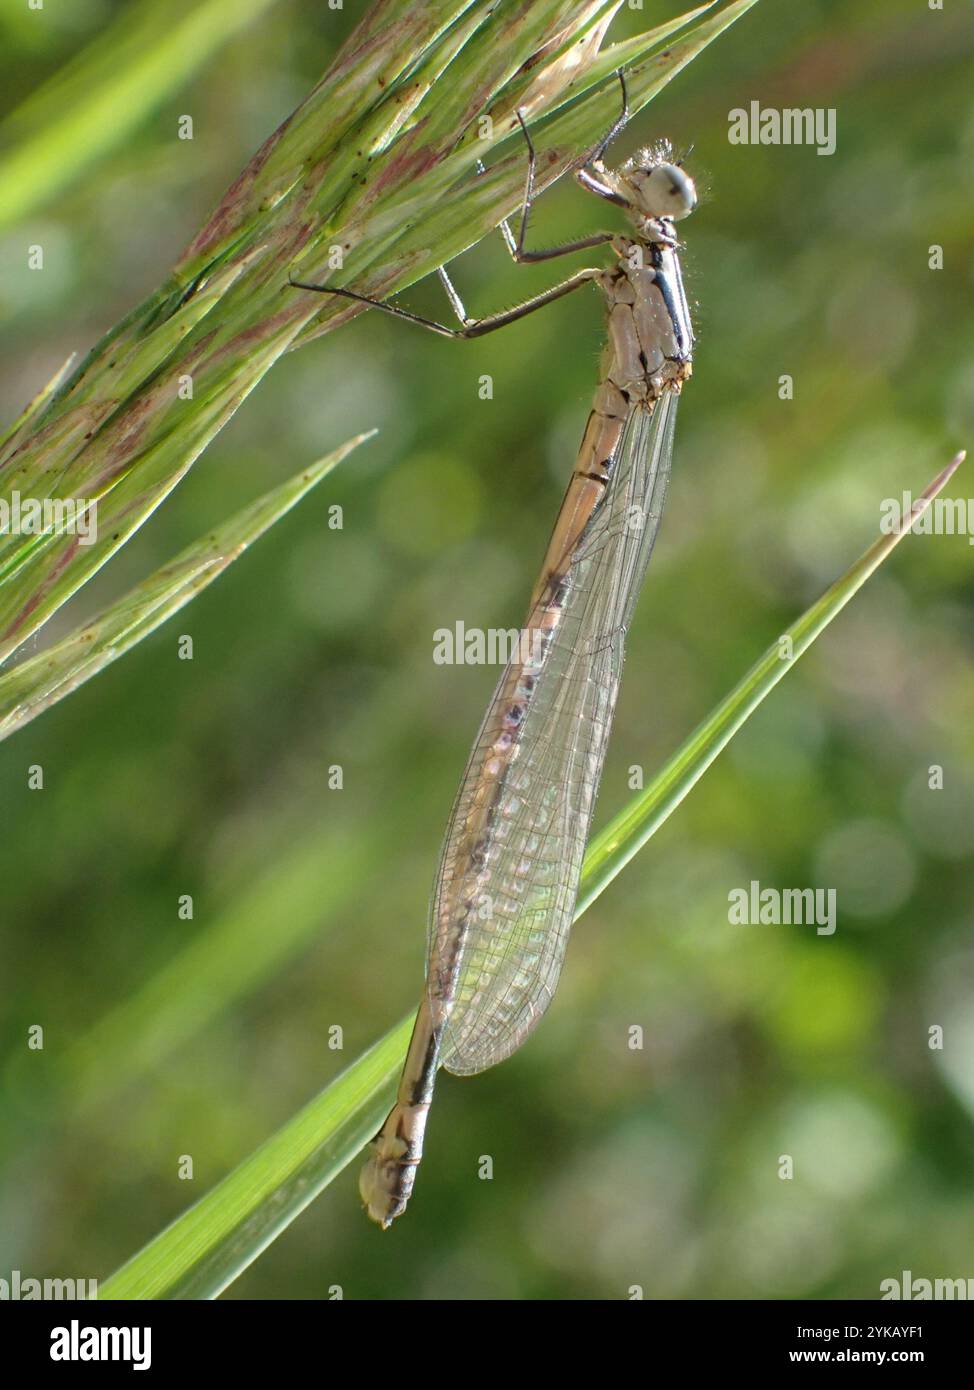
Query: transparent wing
[[510, 903]]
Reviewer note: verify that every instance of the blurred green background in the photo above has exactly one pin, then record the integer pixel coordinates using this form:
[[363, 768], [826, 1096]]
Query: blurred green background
[[612, 1168]]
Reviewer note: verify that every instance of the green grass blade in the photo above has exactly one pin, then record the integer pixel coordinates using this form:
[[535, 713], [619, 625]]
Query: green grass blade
[[206, 1248], [146, 54], [201, 1253], [35, 406], [34, 685], [610, 850], [229, 959]]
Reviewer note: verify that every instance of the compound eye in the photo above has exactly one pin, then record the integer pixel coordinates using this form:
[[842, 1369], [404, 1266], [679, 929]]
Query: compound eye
[[667, 191]]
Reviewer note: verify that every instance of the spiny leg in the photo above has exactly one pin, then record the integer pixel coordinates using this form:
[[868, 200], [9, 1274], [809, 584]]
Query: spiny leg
[[473, 328], [516, 245], [617, 126], [591, 173], [456, 303], [476, 328]]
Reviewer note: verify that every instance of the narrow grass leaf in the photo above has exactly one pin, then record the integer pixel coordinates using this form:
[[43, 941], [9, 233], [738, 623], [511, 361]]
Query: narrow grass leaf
[[205, 1249], [34, 685], [146, 54], [610, 850]]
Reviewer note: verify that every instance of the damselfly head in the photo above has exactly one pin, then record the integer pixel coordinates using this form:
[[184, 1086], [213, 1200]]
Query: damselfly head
[[655, 187]]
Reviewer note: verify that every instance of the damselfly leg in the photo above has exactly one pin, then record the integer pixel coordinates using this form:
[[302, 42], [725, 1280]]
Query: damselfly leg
[[477, 328]]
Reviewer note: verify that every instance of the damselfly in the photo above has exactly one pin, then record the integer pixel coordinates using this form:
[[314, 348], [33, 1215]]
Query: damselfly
[[509, 871]]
